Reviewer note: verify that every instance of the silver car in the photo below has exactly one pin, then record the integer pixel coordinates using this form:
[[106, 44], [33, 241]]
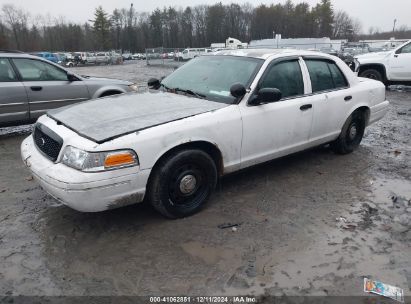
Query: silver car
[[30, 86]]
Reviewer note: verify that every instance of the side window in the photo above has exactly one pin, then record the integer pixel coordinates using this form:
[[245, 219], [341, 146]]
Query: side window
[[6, 71], [406, 49], [285, 76], [321, 79], [325, 75], [36, 70], [338, 76]]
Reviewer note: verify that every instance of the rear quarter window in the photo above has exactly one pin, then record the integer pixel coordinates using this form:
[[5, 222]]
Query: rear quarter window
[[325, 75]]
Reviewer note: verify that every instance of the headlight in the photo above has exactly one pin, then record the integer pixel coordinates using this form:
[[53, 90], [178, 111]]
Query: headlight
[[98, 161], [133, 87]]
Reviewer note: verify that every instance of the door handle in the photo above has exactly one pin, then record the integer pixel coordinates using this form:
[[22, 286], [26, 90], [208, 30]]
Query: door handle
[[306, 107], [347, 98], [36, 88]]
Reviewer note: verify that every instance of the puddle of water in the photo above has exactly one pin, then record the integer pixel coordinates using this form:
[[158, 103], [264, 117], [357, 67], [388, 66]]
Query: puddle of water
[[211, 255]]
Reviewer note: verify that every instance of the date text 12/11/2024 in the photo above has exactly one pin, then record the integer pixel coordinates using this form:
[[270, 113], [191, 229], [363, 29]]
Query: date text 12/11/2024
[[207, 299]]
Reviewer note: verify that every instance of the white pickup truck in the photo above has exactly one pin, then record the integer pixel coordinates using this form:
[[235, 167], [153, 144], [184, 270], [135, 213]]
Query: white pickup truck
[[214, 115], [391, 67]]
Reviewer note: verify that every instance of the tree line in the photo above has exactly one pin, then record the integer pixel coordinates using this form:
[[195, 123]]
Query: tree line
[[171, 27]]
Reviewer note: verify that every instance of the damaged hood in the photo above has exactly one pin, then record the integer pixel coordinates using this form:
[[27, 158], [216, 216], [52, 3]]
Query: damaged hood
[[103, 119]]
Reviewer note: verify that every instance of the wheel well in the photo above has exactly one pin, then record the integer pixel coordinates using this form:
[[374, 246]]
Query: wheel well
[[365, 111], [378, 67], [110, 92], [204, 146]]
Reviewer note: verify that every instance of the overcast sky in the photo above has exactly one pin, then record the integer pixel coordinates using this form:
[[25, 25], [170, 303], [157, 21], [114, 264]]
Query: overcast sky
[[376, 13]]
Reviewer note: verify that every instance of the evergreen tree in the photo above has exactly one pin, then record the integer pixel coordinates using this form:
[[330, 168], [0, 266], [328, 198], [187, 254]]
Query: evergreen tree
[[101, 29], [325, 18]]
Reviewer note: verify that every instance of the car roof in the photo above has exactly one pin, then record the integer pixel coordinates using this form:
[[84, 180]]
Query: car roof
[[268, 53], [13, 54]]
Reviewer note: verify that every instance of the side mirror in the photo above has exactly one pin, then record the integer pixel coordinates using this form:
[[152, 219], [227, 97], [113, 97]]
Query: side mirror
[[71, 77], [238, 90], [398, 51], [153, 83], [266, 95]]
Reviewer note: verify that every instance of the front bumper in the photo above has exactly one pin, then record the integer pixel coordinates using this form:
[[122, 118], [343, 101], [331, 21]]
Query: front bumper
[[86, 192]]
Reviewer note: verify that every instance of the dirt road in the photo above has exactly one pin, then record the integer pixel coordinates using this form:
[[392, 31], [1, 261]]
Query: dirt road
[[314, 223]]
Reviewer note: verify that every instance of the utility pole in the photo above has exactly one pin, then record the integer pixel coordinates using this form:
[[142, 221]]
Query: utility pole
[[393, 29]]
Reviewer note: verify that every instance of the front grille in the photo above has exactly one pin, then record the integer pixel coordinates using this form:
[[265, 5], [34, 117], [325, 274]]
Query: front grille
[[48, 142]]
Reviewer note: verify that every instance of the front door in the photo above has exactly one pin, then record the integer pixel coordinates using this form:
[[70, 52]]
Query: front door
[[275, 129], [400, 64], [47, 86]]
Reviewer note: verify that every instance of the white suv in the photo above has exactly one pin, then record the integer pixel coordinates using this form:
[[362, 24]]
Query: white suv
[[390, 67]]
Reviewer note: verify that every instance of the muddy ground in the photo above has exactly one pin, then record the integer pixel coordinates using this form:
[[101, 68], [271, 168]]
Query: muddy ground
[[314, 223]]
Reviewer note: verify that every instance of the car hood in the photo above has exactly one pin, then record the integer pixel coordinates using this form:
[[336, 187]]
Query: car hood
[[107, 118], [377, 55]]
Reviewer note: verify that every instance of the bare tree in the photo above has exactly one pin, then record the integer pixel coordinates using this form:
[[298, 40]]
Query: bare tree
[[17, 21]]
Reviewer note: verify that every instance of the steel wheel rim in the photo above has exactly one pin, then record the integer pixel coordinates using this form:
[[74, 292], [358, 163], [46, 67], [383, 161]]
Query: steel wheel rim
[[187, 186]]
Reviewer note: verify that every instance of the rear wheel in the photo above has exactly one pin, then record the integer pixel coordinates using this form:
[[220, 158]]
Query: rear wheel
[[181, 184], [351, 134], [372, 74]]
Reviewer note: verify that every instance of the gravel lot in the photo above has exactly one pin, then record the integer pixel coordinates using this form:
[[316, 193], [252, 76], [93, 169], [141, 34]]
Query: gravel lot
[[313, 223]]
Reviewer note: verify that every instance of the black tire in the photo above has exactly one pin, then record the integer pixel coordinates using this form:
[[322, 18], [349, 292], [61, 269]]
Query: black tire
[[351, 134], [182, 183], [372, 74]]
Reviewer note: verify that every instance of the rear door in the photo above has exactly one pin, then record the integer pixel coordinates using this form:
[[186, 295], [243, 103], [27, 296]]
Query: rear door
[[13, 97], [47, 86], [333, 100]]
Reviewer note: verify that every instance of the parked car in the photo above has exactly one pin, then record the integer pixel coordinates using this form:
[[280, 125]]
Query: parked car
[[91, 58], [83, 58], [116, 58], [137, 56], [102, 58], [189, 54], [29, 86], [391, 67], [61, 58], [329, 50], [80, 57], [48, 56], [127, 56], [214, 115], [178, 56], [69, 56]]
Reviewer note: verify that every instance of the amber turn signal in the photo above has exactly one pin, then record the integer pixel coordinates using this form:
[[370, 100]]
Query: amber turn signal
[[119, 159]]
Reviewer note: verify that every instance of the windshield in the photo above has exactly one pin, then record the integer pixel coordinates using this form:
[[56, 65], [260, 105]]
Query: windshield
[[212, 76]]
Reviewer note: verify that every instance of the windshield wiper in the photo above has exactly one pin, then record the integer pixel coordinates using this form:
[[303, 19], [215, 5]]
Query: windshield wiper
[[186, 91], [198, 95]]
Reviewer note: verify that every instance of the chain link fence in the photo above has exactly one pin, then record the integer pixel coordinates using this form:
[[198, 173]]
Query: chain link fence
[[176, 57], [171, 57]]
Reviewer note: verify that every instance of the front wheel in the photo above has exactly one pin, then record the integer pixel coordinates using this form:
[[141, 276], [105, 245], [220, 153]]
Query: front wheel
[[372, 74], [351, 134], [181, 184]]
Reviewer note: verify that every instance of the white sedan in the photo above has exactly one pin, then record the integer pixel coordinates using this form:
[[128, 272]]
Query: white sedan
[[214, 115]]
